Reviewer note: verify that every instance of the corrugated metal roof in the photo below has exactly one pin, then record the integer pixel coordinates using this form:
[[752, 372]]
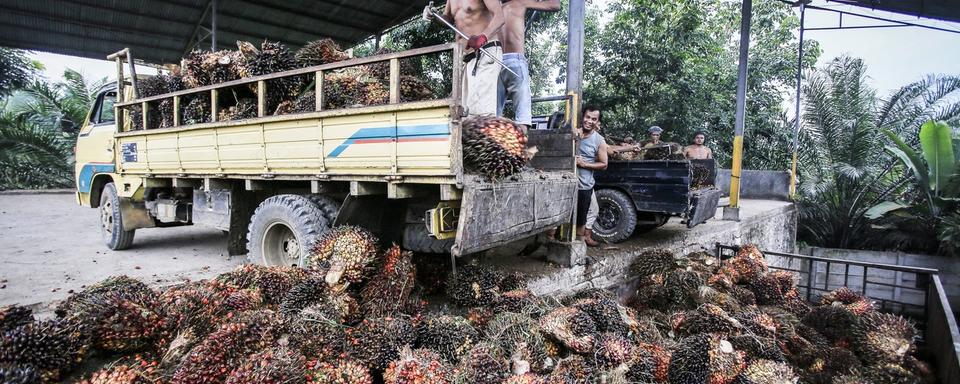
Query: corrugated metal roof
[[162, 31], [947, 10]]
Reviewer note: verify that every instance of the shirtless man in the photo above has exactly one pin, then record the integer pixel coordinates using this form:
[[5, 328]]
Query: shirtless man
[[513, 87], [481, 20], [697, 150]]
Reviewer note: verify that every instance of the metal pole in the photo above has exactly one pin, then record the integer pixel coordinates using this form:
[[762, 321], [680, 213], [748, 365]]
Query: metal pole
[[796, 128], [213, 26], [575, 35], [733, 211]]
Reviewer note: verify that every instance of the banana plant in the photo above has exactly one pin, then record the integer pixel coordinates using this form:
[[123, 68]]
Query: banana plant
[[936, 170]]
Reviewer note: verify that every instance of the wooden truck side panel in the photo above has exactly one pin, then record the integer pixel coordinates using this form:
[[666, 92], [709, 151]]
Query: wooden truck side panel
[[404, 142]]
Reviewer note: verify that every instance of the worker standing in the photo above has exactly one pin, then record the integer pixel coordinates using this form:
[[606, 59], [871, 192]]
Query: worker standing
[[481, 20], [591, 156], [697, 150], [654, 141], [517, 88]]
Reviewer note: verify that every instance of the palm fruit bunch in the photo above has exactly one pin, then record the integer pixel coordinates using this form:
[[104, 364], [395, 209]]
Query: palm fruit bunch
[[416, 367], [705, 358], [612, 350], [202, 68], [225, 349], [570, 326], [387, 292], [882, 338], [480, 316], [246, 108], [494, 146], [768, 290], [767, 372], [340, 371], [574, 370], [759, 323], [123, 313], [337, 306], [381, 70], [12, 316], [519, 300], [129, 370], [831, 321], [483, 364], [758, 347], [700, 175], [654, 261], [345, 252], [200, 307], [682, 288], [16, 374], [747, 265], [413, 88], [709, 318], [319, 52], [162, 115], [136, 116], [890, 374], [307, 102], [650, 364], [271, 58], [376, 342], [827, 363], [847, 298], [273, 282], [474, 285], [510, 332], [526, 378], [343, 89], [709, 295], [376, 93], [304, 294], [450, 336], [197, 109], [315, 336], [275, 365], [52, 347], [606, 313]]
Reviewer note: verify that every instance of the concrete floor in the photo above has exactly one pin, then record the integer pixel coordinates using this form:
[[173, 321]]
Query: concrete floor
[[50, 246]]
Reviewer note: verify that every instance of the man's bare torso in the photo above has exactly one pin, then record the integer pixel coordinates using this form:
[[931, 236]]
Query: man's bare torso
[[512, 36], [470, 16], [698, 152]]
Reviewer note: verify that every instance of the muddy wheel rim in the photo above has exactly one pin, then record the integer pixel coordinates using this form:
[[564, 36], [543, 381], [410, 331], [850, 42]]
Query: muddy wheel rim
[[280, 245]]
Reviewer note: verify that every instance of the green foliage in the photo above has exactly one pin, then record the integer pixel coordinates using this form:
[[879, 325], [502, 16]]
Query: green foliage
[[16, 70], [34, 153]]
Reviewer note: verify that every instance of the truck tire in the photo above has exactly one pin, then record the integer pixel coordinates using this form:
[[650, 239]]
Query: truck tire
[[327, 204], [617, 218], [111, 221], [416, 238], [282, 230]]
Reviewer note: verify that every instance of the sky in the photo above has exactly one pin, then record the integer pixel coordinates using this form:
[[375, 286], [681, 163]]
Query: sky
[[894, 56]]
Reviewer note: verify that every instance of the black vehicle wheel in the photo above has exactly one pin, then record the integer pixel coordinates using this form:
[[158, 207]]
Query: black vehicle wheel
[[111, 222], [283, 228], [617, 217], [416, 238]]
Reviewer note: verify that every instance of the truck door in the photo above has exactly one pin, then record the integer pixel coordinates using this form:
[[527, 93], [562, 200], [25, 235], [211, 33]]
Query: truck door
[[95, 145]]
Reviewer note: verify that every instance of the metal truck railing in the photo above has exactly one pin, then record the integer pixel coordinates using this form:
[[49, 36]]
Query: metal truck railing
[[916, 293]]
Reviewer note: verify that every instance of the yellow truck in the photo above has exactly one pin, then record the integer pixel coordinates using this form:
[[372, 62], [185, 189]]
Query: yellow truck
[[276, 182]]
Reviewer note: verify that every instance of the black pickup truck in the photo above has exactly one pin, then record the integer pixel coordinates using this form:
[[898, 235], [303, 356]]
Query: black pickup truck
[[640, 195]]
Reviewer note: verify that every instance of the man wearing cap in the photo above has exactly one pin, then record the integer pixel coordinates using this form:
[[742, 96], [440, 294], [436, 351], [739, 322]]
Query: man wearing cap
[[513, 87], [481, 20], [654, 141]]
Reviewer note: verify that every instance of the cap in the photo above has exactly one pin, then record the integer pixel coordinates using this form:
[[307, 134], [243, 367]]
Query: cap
[[655, 129]]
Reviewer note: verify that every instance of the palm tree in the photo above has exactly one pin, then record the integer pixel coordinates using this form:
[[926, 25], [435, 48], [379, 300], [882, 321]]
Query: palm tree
[[844, 169], [34, 153]]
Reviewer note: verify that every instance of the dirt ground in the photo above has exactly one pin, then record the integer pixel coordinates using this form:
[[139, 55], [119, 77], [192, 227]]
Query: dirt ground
[[50, 246]]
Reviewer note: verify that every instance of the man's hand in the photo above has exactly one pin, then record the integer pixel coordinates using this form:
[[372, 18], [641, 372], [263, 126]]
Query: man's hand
[[581, 163], [477, 41]]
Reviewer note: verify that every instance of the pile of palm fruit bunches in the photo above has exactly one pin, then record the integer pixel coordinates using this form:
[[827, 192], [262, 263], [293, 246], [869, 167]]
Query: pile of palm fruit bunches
[[356, 315], [495, 146], [355, 86]]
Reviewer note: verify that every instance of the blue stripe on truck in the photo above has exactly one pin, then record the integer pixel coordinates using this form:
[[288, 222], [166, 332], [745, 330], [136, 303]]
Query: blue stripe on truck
[[88, 171], [409, 133]]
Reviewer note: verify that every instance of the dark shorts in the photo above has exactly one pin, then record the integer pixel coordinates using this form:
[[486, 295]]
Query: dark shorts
[[583, 205]]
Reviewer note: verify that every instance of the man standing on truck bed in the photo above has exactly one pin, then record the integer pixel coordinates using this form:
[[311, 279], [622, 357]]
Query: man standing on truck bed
[[591, 156], [514, 88], [481, 20], [697, 150]]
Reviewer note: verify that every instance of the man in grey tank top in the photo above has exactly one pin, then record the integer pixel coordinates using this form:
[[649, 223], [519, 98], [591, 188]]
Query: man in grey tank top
[[591, 157]]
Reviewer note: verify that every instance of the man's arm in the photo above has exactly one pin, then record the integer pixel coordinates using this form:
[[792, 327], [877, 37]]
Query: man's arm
[[544, 5], [709, 153], [601, 163], [448, 14], [496, 22]]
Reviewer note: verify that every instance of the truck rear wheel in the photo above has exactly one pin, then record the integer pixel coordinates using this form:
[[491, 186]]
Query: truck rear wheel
[[417, 239], [283, 228], [617, 217], [111, 221]]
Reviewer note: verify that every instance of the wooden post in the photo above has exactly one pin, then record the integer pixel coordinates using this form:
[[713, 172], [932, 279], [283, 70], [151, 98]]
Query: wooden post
[[213, 105], [394, 81], [261, 98], [176, 111], [318, 90], [144, 107]]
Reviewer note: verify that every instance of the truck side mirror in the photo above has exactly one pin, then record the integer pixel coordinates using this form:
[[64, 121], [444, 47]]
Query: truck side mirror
[[68, 126]]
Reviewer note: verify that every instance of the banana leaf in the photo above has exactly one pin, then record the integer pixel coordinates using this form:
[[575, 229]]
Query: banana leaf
[[936, 145], [879, 210], [911, 160]]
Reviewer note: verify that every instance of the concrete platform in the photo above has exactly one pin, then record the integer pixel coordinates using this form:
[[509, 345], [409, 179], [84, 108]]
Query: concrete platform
[[770, 224]]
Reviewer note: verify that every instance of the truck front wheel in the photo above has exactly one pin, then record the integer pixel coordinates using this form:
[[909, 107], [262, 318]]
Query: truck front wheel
[[283, 228], [617, 217], [111, 221]]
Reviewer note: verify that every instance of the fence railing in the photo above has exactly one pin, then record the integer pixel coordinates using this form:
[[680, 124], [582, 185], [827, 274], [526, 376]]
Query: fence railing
[[916, 293]]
